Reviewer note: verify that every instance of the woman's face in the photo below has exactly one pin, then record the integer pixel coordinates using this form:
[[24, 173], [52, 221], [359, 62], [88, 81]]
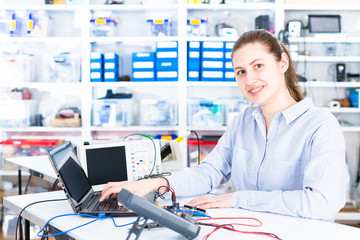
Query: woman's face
[[259, 76]]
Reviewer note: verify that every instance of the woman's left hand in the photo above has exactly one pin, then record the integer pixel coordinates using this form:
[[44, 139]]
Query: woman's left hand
[[218, 201]]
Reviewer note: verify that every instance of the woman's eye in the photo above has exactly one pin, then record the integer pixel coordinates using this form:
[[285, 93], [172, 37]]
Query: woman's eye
[[241, 72], [258, 65]]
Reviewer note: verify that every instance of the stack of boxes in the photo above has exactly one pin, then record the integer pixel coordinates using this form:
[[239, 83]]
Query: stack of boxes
[[166, 61], [104, 67], [96, 67], [161, 65], [229, 75], [210, 61], [143, 66], [193, 61]]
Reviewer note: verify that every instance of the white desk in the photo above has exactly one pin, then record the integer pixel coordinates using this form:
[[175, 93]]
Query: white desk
[[39, 166], [283, 226]]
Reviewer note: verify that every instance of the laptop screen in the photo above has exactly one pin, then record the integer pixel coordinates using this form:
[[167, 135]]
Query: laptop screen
[[75, 179], [106, 164]]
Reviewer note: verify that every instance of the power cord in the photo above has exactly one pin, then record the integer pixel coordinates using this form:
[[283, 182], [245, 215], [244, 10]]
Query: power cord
[[198, 145], [19, 217]]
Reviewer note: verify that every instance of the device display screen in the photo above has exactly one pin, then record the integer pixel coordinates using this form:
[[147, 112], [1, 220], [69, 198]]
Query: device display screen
[[324, 24], [106, 164], [75, 179]]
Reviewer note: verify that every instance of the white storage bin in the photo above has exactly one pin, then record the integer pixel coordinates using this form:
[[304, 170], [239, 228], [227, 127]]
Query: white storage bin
[[158, 112], [113, 112], [205, 112]]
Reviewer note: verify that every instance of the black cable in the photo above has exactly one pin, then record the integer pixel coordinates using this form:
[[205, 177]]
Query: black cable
[[55, 185], [42, 201], [142, 135], [27, 184], [168, 189], [198, 145]]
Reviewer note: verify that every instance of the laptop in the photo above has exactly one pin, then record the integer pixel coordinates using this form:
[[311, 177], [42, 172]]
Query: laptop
[[81, 196]]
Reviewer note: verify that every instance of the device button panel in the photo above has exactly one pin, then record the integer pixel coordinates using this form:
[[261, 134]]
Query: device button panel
[[141, 156]]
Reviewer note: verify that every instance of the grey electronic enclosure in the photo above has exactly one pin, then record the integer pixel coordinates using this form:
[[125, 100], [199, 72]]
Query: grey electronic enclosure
[[165, 218]]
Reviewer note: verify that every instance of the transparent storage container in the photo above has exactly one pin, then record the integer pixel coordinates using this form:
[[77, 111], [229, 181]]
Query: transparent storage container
[[205, 112], [158, 112], [233, 107], [103, 27], [64, 67], [159, 27], [196, 27], [112, 112], [17, 113], [17, 68]]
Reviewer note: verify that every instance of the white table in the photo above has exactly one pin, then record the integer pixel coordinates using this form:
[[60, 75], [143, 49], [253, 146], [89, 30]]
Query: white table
[[283, 226]]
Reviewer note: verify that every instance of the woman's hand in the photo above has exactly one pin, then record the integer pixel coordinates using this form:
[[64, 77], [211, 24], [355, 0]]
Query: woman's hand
[[218, 201], [140, 188]]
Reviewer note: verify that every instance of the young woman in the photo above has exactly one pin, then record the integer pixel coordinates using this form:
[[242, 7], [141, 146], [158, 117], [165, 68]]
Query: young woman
[[283, 154]]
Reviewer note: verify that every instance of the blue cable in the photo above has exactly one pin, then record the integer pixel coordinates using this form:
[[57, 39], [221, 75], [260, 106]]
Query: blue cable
[[101, 216]]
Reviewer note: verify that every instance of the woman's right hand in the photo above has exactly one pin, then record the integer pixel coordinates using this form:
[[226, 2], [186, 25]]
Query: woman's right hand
[[141, 187]]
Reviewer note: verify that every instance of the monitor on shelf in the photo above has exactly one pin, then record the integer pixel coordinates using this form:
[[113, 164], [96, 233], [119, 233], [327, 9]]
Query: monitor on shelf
[[324, 24]]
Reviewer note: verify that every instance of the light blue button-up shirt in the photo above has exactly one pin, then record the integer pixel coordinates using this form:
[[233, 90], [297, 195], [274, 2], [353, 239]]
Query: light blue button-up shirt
[[298, 169]]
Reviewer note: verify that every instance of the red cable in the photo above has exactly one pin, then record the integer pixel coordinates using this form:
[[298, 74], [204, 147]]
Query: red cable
[[235, 218], [218, 226]]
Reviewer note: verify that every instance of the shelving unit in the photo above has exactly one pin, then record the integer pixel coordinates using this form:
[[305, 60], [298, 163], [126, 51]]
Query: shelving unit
[[242, 17]]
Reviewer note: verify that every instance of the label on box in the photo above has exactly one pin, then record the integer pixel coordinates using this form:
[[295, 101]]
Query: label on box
[[207, 54], [143, 64], [166, 54], [95, 75], [228, 65], [212, 74], [212, 64], [167, 74], [109, 75], [109, 65], [194, 54], [228, 55], [143, 74], [95, 55], [95, 65], [194, 44], [213, 44], [109, 55], [229, 45], [193, 74], [166, 45], [229, 75]]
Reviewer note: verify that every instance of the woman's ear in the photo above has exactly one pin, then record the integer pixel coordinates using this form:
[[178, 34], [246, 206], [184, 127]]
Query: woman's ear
[[284, 62]]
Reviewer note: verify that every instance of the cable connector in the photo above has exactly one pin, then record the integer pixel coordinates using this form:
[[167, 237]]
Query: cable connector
[[101, 215]]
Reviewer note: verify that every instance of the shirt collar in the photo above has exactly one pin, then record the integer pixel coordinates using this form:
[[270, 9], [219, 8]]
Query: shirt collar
[[297, 109], [291, 113]]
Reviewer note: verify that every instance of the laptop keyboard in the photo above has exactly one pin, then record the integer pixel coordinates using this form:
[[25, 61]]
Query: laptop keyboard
[[109, 204]]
